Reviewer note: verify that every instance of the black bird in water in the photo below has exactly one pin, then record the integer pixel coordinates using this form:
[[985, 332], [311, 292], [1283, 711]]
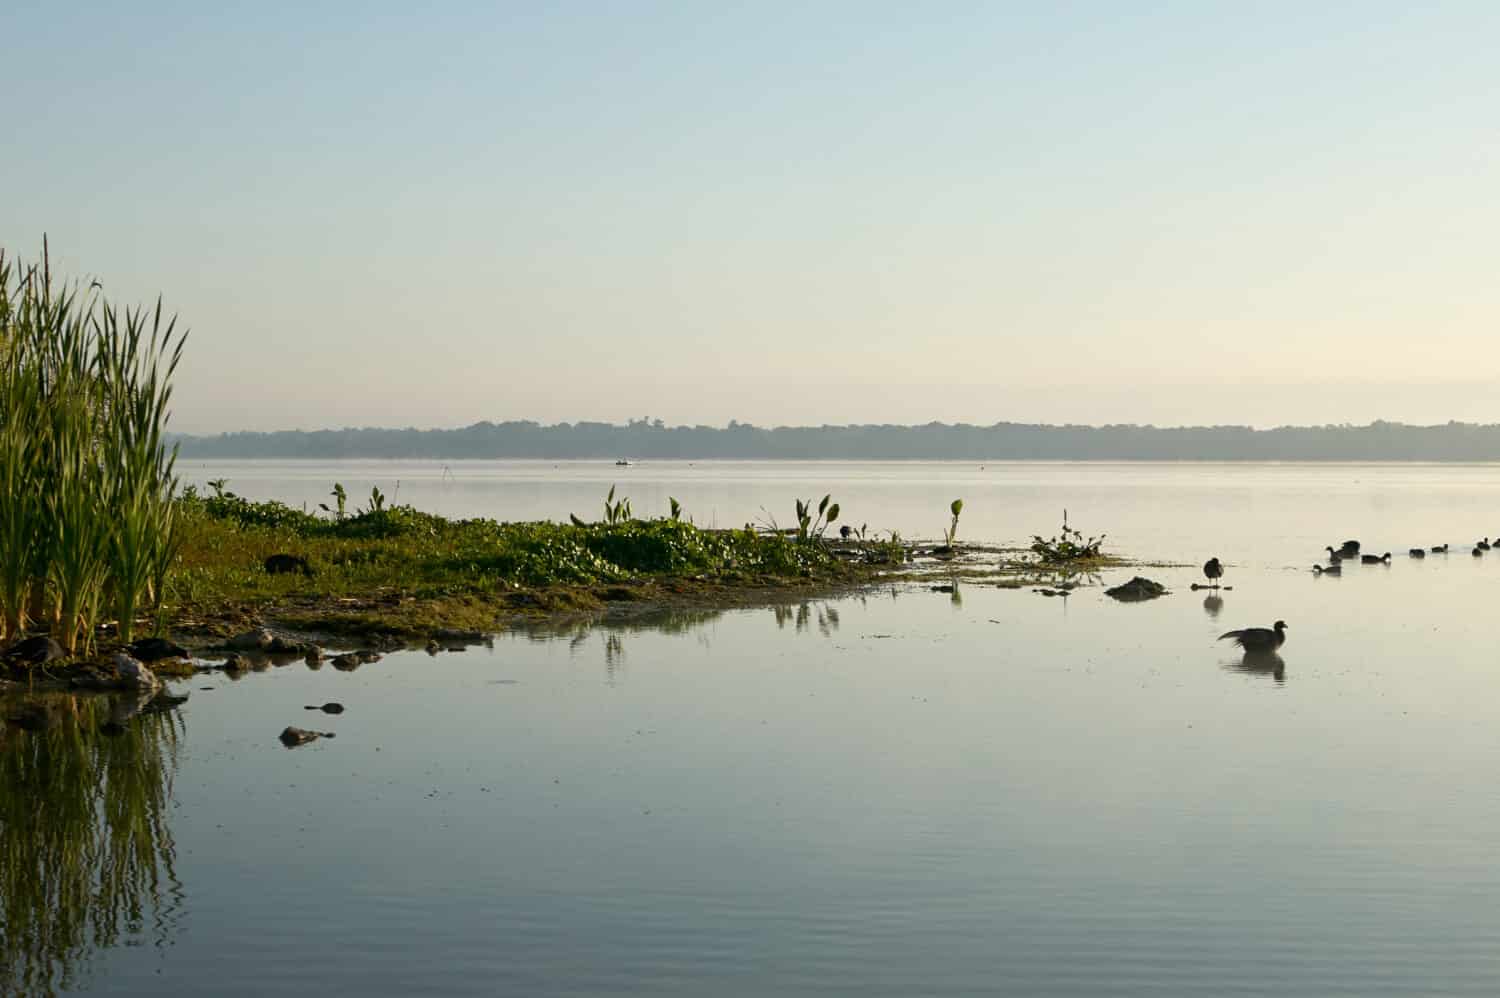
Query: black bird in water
[[1476, 552], [1334, 569], [1213, 571], [1350, 549], [1417, 553], [1375, 559], [1483, 545], [1440, 549], [1334, 556], [1258, 639]]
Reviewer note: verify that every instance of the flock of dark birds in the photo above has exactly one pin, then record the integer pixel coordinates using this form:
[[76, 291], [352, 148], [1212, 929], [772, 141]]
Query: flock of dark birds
[[1267, 639]]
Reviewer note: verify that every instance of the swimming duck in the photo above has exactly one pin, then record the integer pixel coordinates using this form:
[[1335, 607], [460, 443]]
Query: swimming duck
[[1440, 549], [1213, 571], [1334, 569], [1258, 638], [1483, 545], [1334, 556], [1476, 552], [1350, 549], [1417, 553], [1373, 559]]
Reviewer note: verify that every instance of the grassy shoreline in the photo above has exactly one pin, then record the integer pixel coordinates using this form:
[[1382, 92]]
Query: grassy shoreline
[[394, 577]]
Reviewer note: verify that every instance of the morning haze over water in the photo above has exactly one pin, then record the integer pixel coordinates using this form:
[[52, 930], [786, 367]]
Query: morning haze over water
[[1059, 558]]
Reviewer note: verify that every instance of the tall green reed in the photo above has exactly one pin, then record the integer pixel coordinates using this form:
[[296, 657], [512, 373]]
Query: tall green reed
[[87, 481]]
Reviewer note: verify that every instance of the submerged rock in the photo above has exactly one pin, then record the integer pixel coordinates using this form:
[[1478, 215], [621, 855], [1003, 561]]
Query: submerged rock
[[294, 737], [1136, 589]]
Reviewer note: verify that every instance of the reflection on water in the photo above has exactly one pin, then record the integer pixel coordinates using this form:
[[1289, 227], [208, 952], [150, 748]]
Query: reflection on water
[[86, 850], [1212, 604], [1264, 663]]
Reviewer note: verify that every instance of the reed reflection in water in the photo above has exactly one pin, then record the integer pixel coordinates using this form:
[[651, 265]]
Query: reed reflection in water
[[86, 849]]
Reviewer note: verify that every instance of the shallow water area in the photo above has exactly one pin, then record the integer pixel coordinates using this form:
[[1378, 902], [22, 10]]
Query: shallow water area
[[903, 792]]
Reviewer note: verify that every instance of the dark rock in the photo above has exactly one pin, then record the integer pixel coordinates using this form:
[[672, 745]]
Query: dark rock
[[365, 655], [285, 646], [156, 649], [433, 647], [347, 662], [37, 650], [236, 663], [312, 654], [1137, 589], [294, 737], [332, 707], [281, 564]]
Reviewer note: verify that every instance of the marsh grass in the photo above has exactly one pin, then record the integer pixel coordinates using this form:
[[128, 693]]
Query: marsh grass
[[87, 486]]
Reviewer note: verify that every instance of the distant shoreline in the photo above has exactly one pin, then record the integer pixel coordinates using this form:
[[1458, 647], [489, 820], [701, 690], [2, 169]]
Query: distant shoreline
[[1448, 443]]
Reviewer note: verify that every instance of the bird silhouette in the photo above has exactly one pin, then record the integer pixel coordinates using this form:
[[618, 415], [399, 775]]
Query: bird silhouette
[[1440, 549], [1334, 569], [1374, 559], [1334, 556], [1258, 638], [1213, 571], [1417, 553]]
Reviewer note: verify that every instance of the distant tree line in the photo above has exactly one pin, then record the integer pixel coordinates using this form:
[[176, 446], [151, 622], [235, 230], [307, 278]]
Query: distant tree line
[[651, 439]]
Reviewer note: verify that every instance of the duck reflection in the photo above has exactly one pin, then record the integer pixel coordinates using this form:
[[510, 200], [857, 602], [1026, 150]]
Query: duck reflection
[[1212, 604], [1264, 663], [85, 836]]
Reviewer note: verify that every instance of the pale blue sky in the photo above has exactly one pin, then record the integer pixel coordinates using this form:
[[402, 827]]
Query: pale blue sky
[[780, 213]]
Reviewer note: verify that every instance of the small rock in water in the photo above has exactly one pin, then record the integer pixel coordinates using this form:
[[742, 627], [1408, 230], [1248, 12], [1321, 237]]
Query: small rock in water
[[132, 673], [368, 656], [433, 647], [293, 737], [236, 663], [347, 662], [313, 655], [259, 639], [285, 646], [332, 707], [1137, 588]]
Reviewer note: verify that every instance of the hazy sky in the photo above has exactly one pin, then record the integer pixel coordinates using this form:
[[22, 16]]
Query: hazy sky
[[779, 213]]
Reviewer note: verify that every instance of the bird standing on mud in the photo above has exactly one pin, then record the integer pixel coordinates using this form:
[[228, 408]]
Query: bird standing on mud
[[1258, 638], [1213, 571]]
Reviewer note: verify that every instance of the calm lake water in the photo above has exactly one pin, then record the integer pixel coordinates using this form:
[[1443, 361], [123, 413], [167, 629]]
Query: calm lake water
[[909, 792]]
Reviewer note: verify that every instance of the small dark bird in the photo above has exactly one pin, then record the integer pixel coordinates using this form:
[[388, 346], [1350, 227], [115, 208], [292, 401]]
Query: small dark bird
[[1417, 553], [1440, 549], [1333, 555], [1477, 553], [845, 531], [1373, 559], [1258, 638], [1350, 549], [1213, 571], [1334, 569], [279, 564], [1483, 545]]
